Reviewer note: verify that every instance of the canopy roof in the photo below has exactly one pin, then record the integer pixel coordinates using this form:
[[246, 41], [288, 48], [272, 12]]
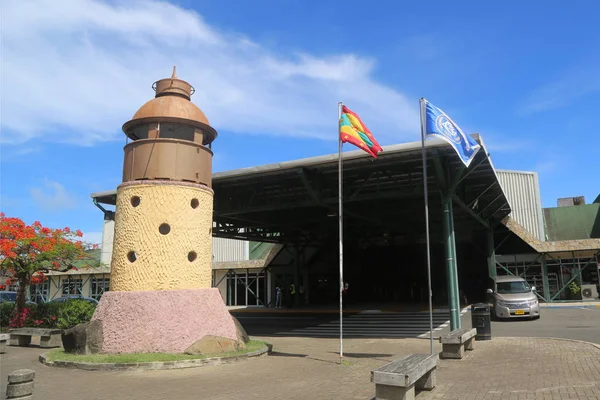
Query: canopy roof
[[383, 198]]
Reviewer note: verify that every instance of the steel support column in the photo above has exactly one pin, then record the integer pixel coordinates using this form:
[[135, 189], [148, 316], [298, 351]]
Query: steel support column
[[306, 279], [451, 269], [491, 259], [545, 282], [297, 274], [229, 294]]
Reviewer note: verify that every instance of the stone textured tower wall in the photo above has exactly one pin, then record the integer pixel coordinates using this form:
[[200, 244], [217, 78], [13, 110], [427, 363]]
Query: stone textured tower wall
[[146, 256]]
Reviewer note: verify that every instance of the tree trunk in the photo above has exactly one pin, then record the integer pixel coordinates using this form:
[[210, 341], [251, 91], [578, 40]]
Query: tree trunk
[[22, 292]]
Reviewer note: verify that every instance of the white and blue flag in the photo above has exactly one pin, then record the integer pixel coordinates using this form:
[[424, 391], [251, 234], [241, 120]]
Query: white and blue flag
[[438, 124]]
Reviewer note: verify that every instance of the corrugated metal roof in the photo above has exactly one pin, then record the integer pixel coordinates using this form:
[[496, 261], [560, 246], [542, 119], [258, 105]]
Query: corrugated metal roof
[[523, 193], [271, 251], [229, 250], [572, 223]]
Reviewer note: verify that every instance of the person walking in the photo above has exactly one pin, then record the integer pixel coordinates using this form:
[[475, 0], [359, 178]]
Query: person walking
[[345, 294], [277, 297], [301, 295], [292, 295]]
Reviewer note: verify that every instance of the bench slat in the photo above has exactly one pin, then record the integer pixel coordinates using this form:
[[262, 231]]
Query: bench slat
[[458, 336], [34, 331], [405, 371]]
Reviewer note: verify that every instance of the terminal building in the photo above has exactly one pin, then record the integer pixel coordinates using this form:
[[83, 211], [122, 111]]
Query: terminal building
[[277, 224]]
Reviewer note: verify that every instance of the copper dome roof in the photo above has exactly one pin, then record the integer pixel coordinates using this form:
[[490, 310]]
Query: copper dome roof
[[171, 104]]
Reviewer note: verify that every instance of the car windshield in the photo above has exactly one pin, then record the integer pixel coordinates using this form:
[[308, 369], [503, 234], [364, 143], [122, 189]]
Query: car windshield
[[8, 296], [513, 287]]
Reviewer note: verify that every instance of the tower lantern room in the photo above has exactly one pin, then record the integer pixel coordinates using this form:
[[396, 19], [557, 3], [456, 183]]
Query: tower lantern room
[[171, 137]]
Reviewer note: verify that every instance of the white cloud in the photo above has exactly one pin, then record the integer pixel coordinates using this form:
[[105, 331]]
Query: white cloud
[[53, 197], [563, 91], [76, 70]]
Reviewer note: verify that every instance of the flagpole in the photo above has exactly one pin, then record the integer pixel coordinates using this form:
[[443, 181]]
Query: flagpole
[[424, 155], [341, 228]]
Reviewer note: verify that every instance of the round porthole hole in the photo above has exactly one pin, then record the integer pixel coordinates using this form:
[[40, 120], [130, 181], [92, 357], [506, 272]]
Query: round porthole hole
[[131, 256], [164, 228], [192, 256], [135, 201]]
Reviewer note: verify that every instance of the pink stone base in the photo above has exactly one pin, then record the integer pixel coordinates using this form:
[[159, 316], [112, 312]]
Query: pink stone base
[[166, 321]]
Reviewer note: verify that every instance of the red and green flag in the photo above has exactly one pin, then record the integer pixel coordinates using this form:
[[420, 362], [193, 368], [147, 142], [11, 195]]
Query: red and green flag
[[354, 131]]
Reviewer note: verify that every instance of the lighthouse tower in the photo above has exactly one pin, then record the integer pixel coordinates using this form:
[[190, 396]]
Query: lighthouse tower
[[163, 223], [160, 299]]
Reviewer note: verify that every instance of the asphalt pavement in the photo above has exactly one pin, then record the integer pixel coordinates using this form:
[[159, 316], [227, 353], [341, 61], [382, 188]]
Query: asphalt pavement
[[565, 323]]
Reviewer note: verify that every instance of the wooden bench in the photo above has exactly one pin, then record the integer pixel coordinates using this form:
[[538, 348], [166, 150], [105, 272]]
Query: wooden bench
[[456, 342], [3, 338], [398, 379], [48, 337]]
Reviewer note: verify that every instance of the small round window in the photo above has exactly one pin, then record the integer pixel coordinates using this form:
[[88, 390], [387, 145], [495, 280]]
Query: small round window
[[131, 256], [192, 256], [164, 228], [135, 201], [194, 203]]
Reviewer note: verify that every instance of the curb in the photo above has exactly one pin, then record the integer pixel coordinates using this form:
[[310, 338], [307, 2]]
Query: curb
[[542, 306], [597, 346], [571, 306], [155, 365]]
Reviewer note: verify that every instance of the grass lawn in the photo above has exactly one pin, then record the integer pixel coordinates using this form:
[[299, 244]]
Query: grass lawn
[[60, 355]]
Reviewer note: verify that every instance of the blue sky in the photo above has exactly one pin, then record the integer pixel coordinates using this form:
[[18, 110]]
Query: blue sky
[[269, 74]]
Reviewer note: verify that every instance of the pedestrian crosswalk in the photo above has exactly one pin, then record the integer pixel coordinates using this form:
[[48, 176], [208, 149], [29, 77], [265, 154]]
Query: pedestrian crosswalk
[[376, 324]]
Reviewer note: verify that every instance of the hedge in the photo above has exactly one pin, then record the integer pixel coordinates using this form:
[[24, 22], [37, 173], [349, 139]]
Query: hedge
[[47, 315]]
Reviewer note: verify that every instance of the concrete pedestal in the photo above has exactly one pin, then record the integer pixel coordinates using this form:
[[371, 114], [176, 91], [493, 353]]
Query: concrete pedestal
[[155, 321]]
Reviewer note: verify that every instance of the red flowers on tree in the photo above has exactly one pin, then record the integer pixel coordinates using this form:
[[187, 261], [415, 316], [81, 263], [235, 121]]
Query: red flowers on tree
[[29, 251]]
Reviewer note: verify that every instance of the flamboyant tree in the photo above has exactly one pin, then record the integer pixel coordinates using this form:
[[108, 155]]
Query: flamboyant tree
[[27, 252]]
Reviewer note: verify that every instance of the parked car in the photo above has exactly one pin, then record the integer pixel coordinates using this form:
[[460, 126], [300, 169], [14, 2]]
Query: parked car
[[73, 296], [10, 297], [512, 297]]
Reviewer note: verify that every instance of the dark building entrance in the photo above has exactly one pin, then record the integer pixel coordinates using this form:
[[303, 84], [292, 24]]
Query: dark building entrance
[[295, 204]]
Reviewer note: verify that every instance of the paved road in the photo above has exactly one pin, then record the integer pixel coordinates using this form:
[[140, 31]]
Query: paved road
[[567, 323]]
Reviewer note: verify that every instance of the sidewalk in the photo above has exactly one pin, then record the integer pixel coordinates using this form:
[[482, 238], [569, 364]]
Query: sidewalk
[[307, 368], [521, 368], [581, 304]]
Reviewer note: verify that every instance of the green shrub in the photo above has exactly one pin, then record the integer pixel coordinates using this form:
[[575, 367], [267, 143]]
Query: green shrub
[[6, 310], [73, 312], [48, 315], [573, 290], [45, 315]]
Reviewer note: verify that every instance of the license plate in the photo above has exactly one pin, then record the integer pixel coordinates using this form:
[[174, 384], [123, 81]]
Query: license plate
[[520, 312]]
